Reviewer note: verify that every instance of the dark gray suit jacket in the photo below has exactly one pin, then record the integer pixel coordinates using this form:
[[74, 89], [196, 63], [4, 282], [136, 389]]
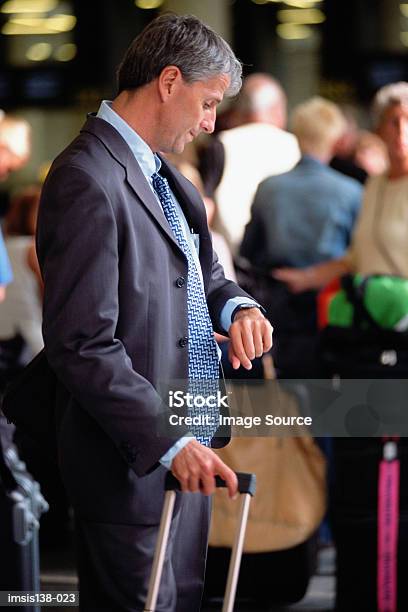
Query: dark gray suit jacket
[[114, 315]]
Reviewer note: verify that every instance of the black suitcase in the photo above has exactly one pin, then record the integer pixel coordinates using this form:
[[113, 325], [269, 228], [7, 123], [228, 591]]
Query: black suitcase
[[21, 505]]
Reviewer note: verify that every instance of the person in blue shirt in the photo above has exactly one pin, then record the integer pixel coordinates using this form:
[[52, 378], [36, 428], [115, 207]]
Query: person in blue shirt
[[306, 215]]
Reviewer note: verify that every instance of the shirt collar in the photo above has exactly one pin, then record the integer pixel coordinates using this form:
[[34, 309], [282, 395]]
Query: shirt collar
[[310, 159], [147, 160]]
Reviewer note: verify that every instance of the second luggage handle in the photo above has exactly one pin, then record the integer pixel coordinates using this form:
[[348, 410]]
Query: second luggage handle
[[246, 487]]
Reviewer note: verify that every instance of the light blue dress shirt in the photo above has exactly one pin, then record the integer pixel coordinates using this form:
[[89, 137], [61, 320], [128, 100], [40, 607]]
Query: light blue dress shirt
[[149, 164]]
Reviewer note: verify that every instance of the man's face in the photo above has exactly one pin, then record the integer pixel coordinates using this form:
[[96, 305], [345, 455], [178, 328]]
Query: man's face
[[393, 130], [190, 110]]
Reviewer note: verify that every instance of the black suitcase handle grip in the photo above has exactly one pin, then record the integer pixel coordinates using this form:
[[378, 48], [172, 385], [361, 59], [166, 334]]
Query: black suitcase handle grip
[[246, 483]]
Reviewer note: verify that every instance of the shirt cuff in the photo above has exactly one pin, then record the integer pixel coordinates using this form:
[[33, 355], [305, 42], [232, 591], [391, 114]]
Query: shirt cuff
[[230, 306], [168, 457]]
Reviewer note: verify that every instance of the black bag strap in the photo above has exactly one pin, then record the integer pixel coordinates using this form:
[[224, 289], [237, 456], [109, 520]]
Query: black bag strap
[[355, 295]]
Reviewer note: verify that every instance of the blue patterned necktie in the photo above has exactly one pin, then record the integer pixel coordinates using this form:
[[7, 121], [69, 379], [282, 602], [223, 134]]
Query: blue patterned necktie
[[203, 366]]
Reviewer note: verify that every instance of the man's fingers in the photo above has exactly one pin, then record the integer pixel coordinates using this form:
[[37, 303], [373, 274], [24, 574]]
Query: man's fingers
[[258, 337], [196, 466], [247, 338], [229, 476], [194, 481], [250, 337], [237, 347], [235, 362], [183, 480], [233, 359], [267, 332], [207, 484]]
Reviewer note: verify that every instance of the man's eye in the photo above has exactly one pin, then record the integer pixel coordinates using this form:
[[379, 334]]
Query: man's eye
[[206, 106]]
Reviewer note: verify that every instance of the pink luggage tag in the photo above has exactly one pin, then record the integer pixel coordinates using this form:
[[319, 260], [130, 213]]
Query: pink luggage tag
[[388, 520]]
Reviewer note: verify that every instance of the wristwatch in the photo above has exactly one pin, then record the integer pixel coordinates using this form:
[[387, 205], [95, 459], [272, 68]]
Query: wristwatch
[[247, 305]]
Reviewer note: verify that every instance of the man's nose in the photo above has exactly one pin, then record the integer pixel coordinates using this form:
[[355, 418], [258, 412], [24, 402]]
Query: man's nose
[[208, 122]]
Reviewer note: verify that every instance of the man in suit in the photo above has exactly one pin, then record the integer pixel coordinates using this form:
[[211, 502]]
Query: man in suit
[[132, 293]]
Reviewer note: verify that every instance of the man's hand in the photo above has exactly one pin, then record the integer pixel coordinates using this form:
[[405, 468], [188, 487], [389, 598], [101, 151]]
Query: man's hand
[[195, 467], [250, 336], [2, 292]]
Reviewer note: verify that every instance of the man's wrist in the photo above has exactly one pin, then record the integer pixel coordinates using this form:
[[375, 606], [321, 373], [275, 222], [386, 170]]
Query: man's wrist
[[246, 306], [167, 459]]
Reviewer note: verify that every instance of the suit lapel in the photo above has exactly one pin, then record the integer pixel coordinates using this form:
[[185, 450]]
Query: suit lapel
[[139, 184], [119, 149]]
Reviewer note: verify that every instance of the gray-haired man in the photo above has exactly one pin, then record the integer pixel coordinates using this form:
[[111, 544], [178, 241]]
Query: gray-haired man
[[130, 301]]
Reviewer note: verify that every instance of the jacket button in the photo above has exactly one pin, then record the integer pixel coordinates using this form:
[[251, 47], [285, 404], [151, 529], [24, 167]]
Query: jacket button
[[181, 281], [183, 342]]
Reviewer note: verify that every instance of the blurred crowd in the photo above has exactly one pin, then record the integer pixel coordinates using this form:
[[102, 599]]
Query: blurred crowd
[[294, 203]]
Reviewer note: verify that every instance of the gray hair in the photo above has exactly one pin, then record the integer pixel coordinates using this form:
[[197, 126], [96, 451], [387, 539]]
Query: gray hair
[[182, 41], [395, 93]]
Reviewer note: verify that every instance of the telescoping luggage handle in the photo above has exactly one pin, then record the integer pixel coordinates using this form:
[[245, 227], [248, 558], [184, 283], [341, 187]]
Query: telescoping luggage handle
[[246, 487]]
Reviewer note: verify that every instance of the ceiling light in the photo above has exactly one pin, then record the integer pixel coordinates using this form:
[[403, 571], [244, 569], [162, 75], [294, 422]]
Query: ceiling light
[[39, 52], [301, 3], [61, 23], [65, 53], [293, 31], [28, 6], [148, 4], [404, 9], [39, 25], [301, 16]]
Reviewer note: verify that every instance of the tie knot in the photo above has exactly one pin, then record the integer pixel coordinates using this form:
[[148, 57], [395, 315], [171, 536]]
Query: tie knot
[[158, 179]]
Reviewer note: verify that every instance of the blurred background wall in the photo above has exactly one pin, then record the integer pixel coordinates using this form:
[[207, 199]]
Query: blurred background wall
[[58, 57]]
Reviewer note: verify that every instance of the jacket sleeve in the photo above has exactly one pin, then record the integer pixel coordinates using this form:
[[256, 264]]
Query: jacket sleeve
[[77, 244]]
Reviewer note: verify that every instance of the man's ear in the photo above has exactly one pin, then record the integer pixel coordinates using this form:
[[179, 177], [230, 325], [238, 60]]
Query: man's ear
[[169, 78]]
